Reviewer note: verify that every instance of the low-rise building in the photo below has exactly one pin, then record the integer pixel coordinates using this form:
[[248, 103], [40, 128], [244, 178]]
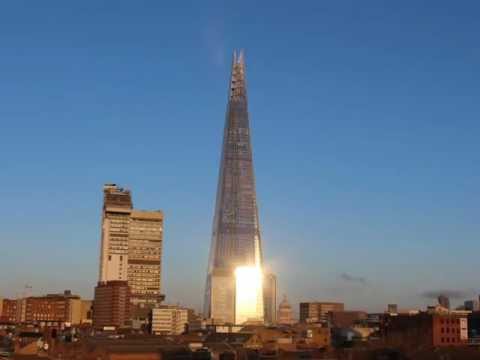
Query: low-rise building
[[11, 310], [426, 329], [86, 312], [314, 336], [46, 310], [169, 320], [53, 309], [344, 319]]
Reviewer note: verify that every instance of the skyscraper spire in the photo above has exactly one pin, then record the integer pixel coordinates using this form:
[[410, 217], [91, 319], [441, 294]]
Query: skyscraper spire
[[236, 234], [238, 85]]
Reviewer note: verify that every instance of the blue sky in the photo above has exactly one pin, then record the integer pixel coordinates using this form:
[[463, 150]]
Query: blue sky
[[365, 122]]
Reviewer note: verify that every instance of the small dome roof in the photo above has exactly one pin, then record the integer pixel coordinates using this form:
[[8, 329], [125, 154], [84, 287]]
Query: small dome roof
[[285, 304]]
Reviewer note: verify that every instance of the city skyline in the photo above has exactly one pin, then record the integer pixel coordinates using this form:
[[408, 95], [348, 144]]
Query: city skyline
[[365, 144]]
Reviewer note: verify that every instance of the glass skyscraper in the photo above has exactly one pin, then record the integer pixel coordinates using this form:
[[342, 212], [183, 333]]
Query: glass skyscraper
[[236, 242]]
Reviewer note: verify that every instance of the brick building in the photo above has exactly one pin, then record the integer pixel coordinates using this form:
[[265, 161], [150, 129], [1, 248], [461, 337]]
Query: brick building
[[111, 306], [426, 330], [47, 310], [53, 309], [11, 310]]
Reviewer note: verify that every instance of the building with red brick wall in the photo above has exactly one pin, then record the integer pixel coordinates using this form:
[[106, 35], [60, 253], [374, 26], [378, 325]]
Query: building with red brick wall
[[111, 305], [11, 310], [450, 330], [426, 330], [52, 309]]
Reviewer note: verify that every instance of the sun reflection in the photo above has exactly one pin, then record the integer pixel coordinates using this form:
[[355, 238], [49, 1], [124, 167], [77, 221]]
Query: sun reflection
[[248, 294]]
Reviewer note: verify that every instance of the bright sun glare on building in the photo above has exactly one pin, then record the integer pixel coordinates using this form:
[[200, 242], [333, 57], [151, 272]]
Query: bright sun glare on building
[[248, 294]]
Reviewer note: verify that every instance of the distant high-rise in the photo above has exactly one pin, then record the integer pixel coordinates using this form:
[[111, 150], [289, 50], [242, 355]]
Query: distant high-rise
[[392, 308], [131, 246], [317, 311], [270, 298], [444, 301], [471, 305], [234, 290]]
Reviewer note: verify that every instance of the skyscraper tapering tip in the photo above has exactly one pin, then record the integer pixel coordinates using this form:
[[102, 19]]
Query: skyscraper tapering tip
[[239, 56]]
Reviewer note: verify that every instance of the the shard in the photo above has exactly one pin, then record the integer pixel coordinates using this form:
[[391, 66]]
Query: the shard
[[236, 242]]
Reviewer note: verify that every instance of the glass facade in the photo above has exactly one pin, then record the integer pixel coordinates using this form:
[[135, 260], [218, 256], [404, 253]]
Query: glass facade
[[236, 238]]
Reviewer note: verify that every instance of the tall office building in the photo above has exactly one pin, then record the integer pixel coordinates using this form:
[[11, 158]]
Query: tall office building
[[444, 301], [144, 256], [234, 289], [131, 246]]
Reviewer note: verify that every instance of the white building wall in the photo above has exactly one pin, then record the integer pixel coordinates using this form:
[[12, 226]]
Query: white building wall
[[169, 320]]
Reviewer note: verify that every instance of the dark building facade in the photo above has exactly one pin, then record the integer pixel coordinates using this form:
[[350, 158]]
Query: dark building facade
[[471, 305], [426, 330], [474, 327], [343, 319], [318, 311], [444, 301], [111, 305]]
